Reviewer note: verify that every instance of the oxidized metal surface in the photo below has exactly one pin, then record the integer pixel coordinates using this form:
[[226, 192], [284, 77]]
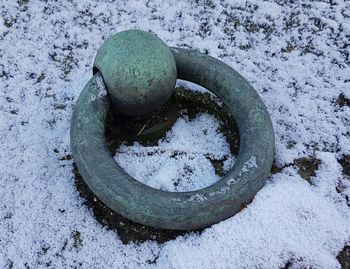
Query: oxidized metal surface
[[138, 69], [177, 210]]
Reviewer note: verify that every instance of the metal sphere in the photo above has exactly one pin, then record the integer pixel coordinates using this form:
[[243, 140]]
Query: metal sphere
[[139, 70]]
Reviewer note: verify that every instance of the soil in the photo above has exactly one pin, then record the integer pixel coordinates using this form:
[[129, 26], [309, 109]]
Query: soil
[[344, 258], [345, 163]]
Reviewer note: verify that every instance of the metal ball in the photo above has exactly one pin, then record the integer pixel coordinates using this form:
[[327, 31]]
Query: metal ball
[[139, 71]]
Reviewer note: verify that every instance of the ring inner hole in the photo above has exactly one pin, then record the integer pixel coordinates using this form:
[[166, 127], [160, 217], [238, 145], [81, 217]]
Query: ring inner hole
[[188, 144]]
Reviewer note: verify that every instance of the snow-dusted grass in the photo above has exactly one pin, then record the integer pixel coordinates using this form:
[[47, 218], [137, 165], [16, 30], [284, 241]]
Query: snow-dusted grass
[[296, 55]]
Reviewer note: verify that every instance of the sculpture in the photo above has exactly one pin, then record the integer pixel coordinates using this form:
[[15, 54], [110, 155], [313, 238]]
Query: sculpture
[[157, 208]]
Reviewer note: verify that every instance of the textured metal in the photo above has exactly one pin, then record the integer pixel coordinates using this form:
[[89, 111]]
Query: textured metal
[[139, 70], [177, 210]]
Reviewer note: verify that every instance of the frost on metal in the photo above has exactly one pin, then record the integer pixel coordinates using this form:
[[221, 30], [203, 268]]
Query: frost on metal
[[248, 165], [101, 88], [197, 198]]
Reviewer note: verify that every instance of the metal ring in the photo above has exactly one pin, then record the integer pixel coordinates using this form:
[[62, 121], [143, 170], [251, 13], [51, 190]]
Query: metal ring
[[177, 210]]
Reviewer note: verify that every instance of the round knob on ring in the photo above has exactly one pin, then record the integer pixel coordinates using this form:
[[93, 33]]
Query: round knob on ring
[[139, 70]]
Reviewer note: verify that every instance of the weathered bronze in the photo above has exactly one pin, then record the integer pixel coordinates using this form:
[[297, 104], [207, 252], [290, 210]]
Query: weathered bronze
[[139, 71], [177, 210]]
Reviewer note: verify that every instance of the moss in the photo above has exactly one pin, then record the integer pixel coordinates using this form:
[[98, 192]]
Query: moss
[[307, 167], [345, 163], [275, 169], [77, 241], [343, 101]]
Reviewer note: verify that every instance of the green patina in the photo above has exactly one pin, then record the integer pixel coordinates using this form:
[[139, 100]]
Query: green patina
[[177, 210], [139, 71]]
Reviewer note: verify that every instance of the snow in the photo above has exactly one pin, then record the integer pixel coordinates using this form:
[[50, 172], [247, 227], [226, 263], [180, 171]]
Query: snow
[[296, 56], [268, 232], [249, 164], [180, 161], [102, 91]]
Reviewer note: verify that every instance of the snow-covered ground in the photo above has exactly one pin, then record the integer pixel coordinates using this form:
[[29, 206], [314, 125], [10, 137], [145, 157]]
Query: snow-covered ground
[[296, 55], [180, 161]]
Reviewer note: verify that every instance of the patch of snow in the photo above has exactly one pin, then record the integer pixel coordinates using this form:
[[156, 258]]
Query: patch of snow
[[181, 161], [101, 90]]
